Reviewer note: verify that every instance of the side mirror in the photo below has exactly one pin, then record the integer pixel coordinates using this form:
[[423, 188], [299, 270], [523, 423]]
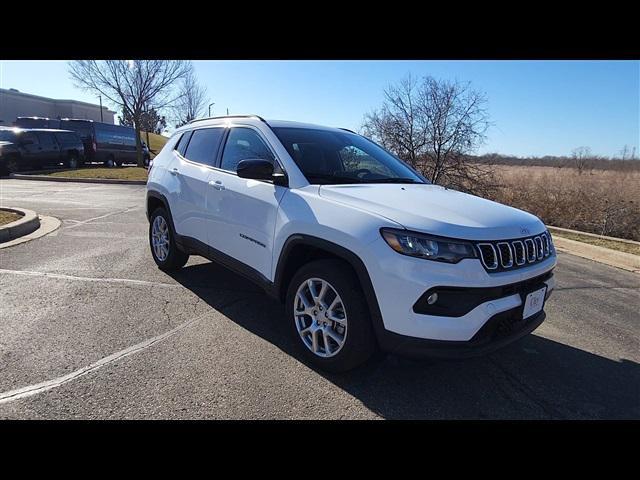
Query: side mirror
[[257, 169]]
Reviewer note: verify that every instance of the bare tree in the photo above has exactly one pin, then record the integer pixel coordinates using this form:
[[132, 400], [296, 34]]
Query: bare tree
[[130, 85], [581, 157], [434, 125], [399, 124], [628, 153], [191, 102]]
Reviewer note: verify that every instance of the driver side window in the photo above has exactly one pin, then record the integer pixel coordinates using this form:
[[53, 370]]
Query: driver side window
[[243, 144], [29, 138]]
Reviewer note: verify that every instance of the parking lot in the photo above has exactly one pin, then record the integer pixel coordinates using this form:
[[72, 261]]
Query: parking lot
[[90, 328]]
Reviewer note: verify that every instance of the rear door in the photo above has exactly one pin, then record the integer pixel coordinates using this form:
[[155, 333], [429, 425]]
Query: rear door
[[244, 210], [190, 174], [49, 152]]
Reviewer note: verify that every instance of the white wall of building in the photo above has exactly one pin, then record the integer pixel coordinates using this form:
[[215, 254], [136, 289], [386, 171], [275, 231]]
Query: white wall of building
[[18, 104]]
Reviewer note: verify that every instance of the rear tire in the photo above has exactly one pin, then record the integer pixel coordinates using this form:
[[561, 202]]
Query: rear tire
[[111, 162], [162, 241], [343, 332], [72, 161]]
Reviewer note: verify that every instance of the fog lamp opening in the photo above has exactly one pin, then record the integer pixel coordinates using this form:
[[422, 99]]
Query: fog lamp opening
[[433, 298]]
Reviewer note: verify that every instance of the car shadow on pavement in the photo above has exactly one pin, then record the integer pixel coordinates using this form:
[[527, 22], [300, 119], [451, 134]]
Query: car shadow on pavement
[[534, 378]]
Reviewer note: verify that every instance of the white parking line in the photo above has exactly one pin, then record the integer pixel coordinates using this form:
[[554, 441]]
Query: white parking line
[[30, 390], [83, 222], [87, 279]]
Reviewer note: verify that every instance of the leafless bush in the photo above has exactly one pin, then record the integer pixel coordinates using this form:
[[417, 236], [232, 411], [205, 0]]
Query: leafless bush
[[628, 164]]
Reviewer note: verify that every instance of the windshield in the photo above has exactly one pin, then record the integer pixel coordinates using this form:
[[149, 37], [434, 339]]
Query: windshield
[[7, 136], [327, 157]]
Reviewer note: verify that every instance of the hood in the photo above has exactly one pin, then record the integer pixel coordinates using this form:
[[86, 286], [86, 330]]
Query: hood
[[438, 211]]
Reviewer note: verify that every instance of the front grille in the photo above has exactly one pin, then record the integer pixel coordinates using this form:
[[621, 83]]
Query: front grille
[[510, 254]]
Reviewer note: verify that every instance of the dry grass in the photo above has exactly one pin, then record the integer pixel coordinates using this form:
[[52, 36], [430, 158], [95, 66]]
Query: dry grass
[[123, 173], [156, 142], [8, 217], [604, 202]]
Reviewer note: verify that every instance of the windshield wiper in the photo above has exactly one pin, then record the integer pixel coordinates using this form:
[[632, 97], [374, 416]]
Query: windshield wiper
[[333, 179], [393, 180]]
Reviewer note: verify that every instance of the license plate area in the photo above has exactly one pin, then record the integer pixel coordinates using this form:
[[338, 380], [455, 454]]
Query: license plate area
[[533, 302]]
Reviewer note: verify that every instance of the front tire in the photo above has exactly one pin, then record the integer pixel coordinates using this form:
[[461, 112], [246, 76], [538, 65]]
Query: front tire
[[111, 161], [12, 165], [162, 242], [329, 317]]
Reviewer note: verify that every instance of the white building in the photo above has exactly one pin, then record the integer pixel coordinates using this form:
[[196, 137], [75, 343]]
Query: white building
[[14, 103]]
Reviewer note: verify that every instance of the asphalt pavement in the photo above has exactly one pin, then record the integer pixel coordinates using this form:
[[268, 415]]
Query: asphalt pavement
[[90, 328]]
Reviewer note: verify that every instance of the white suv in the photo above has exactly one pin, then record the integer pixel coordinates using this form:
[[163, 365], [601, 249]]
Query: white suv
[[363, 250]]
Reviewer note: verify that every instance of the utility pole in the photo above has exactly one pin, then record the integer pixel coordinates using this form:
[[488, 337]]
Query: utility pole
[[227, 110], [101, 118], [210, 105]]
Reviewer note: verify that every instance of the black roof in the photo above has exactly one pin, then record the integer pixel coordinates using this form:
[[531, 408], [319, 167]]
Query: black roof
[[21, 129]]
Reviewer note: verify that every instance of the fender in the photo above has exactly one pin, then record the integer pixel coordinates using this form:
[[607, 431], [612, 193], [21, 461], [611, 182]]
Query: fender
[[341, 252], [165, 204], [159, 196]]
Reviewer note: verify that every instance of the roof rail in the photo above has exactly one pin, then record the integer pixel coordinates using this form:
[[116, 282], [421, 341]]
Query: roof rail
[[227, 116], [347, 130]]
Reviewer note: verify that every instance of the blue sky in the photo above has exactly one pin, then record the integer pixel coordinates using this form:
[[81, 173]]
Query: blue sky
[[537, 107]]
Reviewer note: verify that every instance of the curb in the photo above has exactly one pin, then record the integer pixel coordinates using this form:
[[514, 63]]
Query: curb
[[593, 235], [29, 223], [606, 256], [44, 178]]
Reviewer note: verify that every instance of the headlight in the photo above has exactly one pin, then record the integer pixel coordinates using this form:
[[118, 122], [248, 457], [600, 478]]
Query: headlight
[[552, 248], [427, 246]]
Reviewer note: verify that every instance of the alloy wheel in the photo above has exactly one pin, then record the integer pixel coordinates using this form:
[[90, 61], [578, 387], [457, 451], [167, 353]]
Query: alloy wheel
[[320, 317], [160, 238]]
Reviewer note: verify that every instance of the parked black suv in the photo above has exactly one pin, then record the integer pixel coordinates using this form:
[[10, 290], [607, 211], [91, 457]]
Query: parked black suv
[[32, 149], [104, 142]]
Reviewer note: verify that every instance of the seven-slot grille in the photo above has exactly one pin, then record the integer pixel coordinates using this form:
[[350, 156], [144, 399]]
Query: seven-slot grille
[[509, 254]]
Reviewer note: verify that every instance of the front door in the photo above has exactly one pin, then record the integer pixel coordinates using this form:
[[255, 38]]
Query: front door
[[246, 209], [31, 151]]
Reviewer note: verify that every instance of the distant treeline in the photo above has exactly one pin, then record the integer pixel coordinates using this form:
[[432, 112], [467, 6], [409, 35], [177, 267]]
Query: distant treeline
[[590, 163]]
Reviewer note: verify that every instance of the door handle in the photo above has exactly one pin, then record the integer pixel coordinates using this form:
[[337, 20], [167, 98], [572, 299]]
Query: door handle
[[218, 185], [174, 171]]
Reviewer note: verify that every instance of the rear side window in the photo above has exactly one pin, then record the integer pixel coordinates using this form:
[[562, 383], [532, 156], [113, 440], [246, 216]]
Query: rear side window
[[243, 144], [203, 146], [181, 146]]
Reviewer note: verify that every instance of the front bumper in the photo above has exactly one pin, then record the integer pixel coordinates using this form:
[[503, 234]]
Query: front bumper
[[400, 281], [501, 330]]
